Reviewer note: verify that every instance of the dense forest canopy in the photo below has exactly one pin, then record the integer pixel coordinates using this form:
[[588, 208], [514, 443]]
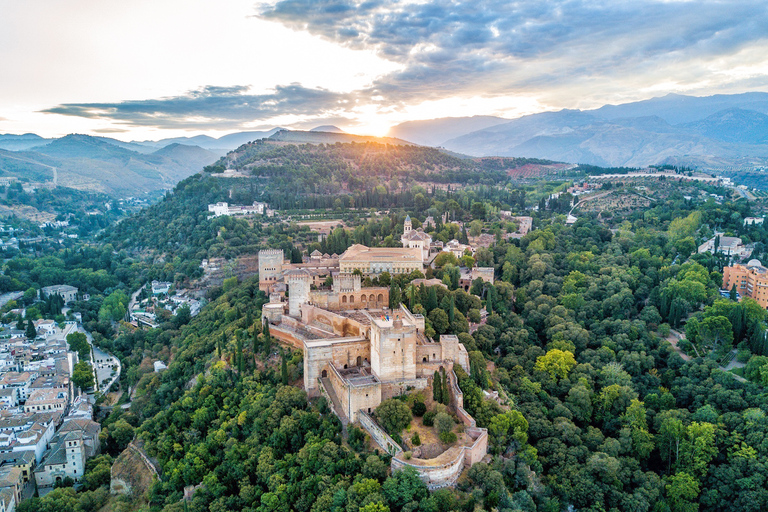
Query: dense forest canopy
[[608, 338]]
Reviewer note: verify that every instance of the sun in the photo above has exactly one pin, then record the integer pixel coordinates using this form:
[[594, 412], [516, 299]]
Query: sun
[[378, 126]]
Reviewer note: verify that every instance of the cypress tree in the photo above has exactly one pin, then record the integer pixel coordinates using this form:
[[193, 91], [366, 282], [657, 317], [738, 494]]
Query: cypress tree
[[452, 310], [445, 394], [431, 299], [31, 332], [394, 296], [239, 355], [437, 388], [489, 301], [284, 369]]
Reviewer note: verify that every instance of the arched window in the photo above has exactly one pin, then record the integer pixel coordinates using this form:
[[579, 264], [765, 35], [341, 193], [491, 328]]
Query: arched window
[[381, 297], [359, 361], [343, 299], [351, 299], [325, 374], [372, 298]]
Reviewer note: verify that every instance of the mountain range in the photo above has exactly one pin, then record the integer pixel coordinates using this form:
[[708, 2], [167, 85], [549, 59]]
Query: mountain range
[[115, 167], [723, 132], [716, 132], [94, 164]]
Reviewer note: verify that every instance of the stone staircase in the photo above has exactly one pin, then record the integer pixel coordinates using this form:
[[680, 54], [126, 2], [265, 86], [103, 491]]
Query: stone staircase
[[335, 403]]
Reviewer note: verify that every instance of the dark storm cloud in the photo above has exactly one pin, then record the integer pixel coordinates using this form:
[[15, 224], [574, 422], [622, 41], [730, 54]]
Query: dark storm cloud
[[211, 107]]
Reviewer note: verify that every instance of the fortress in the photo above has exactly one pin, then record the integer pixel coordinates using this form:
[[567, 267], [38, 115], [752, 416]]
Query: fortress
[[358, 352]]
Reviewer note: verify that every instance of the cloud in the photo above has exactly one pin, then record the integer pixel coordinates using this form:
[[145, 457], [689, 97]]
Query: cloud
[[110, 130], [499, 47], [212, 107], [572, 53]]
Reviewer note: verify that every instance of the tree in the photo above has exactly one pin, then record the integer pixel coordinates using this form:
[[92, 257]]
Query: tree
[[642, 440], [716, 331], [114, 307], [394, 296], [283, 369], [183, 316], [443, 423], [78, 342], [394, 415], [698, 448], [82, 375], [437, 388], [557, 363], [682, 491], [121, 433], [670, 435], [31, 333], [439, 319], [506, 428], [404, 487], [431, 299]]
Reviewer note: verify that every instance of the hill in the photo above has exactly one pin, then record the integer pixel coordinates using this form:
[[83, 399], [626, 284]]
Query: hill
[[714, 132], [218, 145], [327, 128], [323, 137], [97, 164], [434, 132], [23, 142]]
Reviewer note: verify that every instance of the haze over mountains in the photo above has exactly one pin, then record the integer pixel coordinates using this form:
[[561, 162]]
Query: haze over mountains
[[710, 132], [715, 132]]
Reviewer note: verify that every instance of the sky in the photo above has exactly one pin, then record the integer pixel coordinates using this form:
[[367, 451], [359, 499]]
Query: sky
[[145, 69]]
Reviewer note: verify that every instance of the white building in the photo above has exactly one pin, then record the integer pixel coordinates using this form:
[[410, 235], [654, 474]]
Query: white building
[[728, 245], [415, 238], [19, 382], [160, 287], [256, 208], [457, 248], [45, 400], [752, 221], [66, 458], [68, 293]]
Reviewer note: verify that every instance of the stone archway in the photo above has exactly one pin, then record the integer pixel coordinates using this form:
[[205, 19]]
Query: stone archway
[[343, 299], [324, 375], [381, 298], [359, 361]]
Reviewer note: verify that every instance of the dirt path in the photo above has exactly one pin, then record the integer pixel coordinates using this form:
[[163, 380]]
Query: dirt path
[[673, 338]]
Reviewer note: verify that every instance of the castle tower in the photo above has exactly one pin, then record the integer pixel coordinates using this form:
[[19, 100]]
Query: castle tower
[[270, 268], [408, 226], [298, 291], [345, 282], [393, 348]]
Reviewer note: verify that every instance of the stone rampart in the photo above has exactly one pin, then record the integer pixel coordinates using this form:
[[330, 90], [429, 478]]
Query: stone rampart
[[378, 435], [436, 473]]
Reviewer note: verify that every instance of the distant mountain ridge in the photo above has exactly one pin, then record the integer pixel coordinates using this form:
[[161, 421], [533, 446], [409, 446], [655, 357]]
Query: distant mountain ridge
[[104, 165], [709, 132], [320, 137], [434, 132]]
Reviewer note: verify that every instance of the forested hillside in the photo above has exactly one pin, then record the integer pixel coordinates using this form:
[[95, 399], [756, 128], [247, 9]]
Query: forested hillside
[[607, 339]]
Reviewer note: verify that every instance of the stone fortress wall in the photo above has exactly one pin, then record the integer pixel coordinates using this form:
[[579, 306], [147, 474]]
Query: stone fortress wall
[[445, 469]]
